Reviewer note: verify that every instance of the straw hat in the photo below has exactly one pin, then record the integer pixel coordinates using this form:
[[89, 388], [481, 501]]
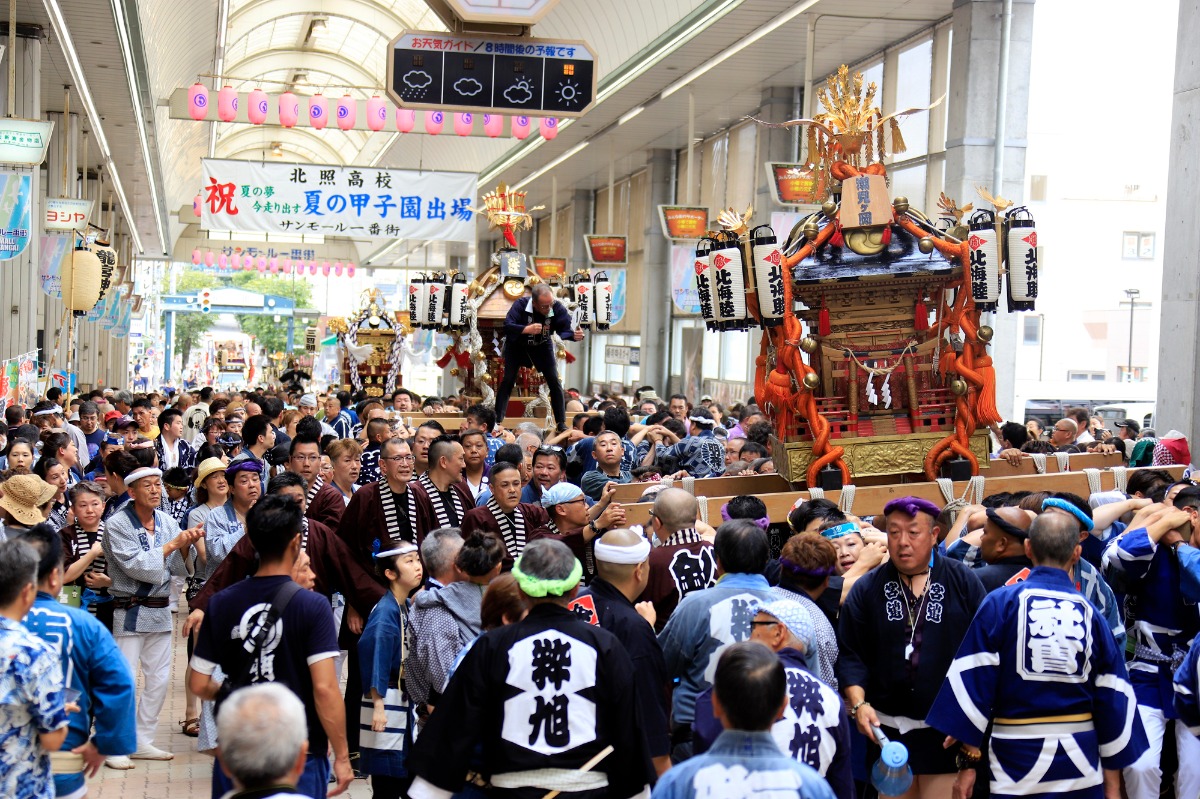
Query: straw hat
[[207, 467], [24, 494]]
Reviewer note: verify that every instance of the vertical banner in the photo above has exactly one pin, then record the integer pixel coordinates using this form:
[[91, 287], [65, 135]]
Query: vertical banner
[[15, 214], [27, 378], [8, 383], [683, 279], [54, 251]]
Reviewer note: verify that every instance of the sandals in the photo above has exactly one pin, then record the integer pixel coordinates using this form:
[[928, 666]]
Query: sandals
[[190, 727]]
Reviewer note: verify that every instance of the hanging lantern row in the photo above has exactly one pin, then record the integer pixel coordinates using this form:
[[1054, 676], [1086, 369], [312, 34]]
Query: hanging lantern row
[[346, 114], [723, 279], [438, 301], [593, 297], [274, 265]]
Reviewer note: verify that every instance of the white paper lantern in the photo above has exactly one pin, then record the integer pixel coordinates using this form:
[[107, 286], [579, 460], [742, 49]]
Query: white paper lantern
[[985, 260], [81, 281], [1022, 257], [457, 303], [728, 284], [583, 289], [602, 299], [703, 267], [768, 275]]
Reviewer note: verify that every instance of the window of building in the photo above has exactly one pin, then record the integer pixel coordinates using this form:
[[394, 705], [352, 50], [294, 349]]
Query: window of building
[[914, 70], [604, 372], [1137, 245], [1032, 330], [1076, 376], [1140, 374]]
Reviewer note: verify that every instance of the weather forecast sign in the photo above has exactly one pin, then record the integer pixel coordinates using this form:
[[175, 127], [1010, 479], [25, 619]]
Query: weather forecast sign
[[507, 75]]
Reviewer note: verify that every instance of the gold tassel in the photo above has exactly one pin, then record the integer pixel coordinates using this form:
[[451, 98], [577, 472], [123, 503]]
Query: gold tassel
[[882, 144], [867, 140], [898, 145], [813, 156]]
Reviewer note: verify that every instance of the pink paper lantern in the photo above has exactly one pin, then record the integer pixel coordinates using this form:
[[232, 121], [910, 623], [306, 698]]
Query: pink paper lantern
[[273, 265], [195, 257], [463, 124], [198, 101], [325, 268], [406, 119], [434, 120], [318, 112], [257, 112], [196, 205], [376, 113], [262, 263], [548, 128], [337, 268], [222, 261], [289, 109], [209, 258], [347, 110], [312, 267], [350, 270], [248, 262], [227, 104], [286, 263], [493, 125], [520, 127]]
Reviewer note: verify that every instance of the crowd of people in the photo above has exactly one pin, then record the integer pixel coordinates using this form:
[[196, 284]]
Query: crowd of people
[[501, 629]]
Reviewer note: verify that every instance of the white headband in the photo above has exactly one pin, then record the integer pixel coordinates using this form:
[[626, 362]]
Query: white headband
[[704, 420], [55, 411], [635, 554], [138, 474], [402, 549]]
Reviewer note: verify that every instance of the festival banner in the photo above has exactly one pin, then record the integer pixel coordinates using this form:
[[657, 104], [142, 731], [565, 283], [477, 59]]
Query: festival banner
[[27, 379], [549, 267], [797, 184], [54, 252], [607, 250], [15, 215], [683, 221], [8, 383], [352, 201]]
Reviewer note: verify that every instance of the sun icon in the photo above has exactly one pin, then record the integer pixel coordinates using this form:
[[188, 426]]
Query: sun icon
[[568, 93]]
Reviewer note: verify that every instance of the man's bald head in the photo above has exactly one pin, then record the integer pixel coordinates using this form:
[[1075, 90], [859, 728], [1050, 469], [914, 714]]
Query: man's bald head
[[676, 509], [1004, 534], [1020, 519], [1053, 540]]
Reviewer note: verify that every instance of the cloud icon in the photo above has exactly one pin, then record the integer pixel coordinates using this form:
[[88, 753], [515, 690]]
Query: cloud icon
[[519, 93], [417, 79], [468, 87]]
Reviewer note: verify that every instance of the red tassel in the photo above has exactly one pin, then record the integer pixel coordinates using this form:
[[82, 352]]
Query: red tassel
[[921, 318], [463, 359], [823, 326], [509, 237], [445, 359], [570, 358], [887, 236], [837, 239]]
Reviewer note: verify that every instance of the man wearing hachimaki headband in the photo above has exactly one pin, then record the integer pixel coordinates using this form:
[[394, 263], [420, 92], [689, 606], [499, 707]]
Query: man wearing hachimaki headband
[[900, 628], [554, 687]]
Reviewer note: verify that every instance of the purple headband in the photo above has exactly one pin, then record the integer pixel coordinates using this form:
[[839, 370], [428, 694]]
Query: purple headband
[[764, 522], [244, 465], [911, 506], [794, 568]]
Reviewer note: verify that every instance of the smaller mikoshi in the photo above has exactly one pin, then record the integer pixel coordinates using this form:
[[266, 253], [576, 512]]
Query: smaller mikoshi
[[372, 342]]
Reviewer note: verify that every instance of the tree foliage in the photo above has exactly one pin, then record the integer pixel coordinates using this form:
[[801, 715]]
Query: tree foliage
[[270, 335]]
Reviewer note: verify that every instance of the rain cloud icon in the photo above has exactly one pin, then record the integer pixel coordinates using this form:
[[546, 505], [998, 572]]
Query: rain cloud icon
[[519, 93], [468, 87], [417, 79]]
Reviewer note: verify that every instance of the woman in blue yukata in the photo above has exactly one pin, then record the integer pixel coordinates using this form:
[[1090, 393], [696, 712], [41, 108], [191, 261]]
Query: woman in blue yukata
[[386, 718]]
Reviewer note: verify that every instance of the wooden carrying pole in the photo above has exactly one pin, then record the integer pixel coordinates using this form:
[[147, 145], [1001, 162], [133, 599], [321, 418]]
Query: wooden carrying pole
[[869, 500]]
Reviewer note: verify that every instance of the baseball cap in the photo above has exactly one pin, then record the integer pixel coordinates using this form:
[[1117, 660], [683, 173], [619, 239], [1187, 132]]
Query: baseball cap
[[1132, 424], [124, 422], [114, 414], [560, 493]]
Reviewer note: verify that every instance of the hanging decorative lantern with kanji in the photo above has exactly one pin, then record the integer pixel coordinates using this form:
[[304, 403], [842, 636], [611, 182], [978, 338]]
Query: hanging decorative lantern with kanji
[[703, 266], [985, 259], [1022, 258], [768, 274]]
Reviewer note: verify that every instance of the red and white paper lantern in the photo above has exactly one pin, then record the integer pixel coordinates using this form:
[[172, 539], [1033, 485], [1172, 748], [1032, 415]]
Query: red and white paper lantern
[[318, 111], [768, 274], [985, 260], [257, 111], [1022, 256], [289, 109], [227, 104], [198, 101], [347, 112]]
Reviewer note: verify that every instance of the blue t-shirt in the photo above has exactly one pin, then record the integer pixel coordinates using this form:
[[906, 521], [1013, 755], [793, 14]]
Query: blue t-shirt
[[304, 635]]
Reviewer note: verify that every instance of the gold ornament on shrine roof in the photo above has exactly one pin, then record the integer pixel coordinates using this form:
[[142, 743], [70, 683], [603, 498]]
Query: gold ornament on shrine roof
[[851, 128]]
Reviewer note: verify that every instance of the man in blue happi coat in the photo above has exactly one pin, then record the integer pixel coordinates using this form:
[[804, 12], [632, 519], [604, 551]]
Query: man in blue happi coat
[[1041, 666]]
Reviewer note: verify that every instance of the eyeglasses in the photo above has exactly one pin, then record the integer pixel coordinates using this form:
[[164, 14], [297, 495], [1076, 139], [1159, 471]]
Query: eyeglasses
[[400, 459], [764, 623], [306, 458]]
